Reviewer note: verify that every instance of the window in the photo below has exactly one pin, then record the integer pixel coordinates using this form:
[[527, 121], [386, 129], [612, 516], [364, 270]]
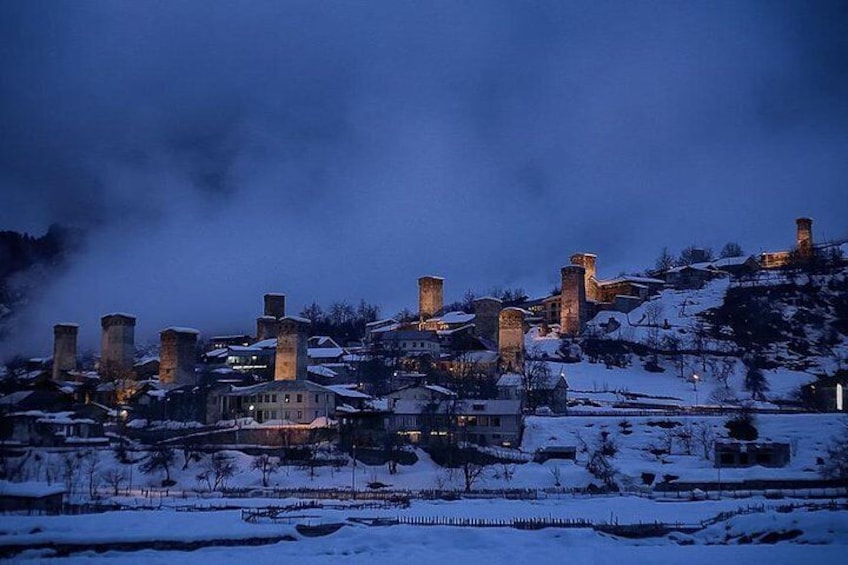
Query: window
[[273, 398], [727, 459], [273, 414], [286, 399], [496, 421], [316, 399], [299, 414], [288, 415], [300, 398], [316, 413]]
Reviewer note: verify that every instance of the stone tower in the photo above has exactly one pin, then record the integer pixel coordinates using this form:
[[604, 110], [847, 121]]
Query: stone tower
[[266, 327], [804, 238], [274, 309], [430, 297], [511, 339], [292, 358], [588, 262], [177, 355], [486, 317], [573, 300], [117, 347], [275, 305], [64, 349]]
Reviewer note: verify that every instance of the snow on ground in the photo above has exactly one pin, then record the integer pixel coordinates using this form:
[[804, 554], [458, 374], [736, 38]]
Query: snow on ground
[[824, 535], [807, 434]]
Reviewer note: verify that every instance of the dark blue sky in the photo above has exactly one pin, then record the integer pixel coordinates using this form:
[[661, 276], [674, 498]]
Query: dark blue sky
[[217, 150]]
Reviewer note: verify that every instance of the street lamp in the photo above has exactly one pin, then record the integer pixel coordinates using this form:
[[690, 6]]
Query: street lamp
[[695, 379]]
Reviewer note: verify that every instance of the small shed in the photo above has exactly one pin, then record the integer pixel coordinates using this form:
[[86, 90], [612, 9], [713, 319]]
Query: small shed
[[568, 452], [748, 454], [31, 498]]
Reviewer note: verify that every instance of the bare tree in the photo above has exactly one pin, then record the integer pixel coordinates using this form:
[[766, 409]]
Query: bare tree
[[685, 435], [471, 471], [731, 249], [665, 261], [114, 477], [70, 465], [266, 465], [219, 468], [755, 381], [704, 436], [556, 473], [91, 465]]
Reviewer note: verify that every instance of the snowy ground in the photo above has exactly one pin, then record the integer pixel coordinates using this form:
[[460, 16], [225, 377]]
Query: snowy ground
[[807, 434], [820, 535]]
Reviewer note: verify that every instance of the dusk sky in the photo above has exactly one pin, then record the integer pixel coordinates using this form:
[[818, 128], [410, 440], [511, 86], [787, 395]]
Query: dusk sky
[[338, 150]]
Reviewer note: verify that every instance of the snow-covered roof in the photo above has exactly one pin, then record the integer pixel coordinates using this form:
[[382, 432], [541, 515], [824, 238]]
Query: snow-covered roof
[[453, 318], [181, 330], [440, 390], [631, 279], [14, 397], [455, 330], [510, 380], [382, 322], [322, 341], [732, 261], [29, 489], [347, 392], [325, 352], [297, 319], [121, 314], [217, 352], [322, 371]]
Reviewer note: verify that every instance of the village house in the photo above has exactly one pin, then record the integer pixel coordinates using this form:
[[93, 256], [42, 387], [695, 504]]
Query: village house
[[280, 401], [484, 422]]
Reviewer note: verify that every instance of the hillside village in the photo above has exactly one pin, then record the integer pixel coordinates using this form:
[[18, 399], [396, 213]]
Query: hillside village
[[706, 374]]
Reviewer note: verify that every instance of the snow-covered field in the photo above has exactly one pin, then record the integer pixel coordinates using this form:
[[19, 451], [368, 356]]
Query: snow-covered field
[[820, 535]]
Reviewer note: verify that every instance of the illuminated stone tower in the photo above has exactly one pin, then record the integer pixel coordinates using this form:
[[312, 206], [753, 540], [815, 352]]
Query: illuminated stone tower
[[177, 355], [292, 359], [511, 339], [588, 262], [64, 349], [573, 300], [486, 317], [117, 347], [804, 238], [430, 297]]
